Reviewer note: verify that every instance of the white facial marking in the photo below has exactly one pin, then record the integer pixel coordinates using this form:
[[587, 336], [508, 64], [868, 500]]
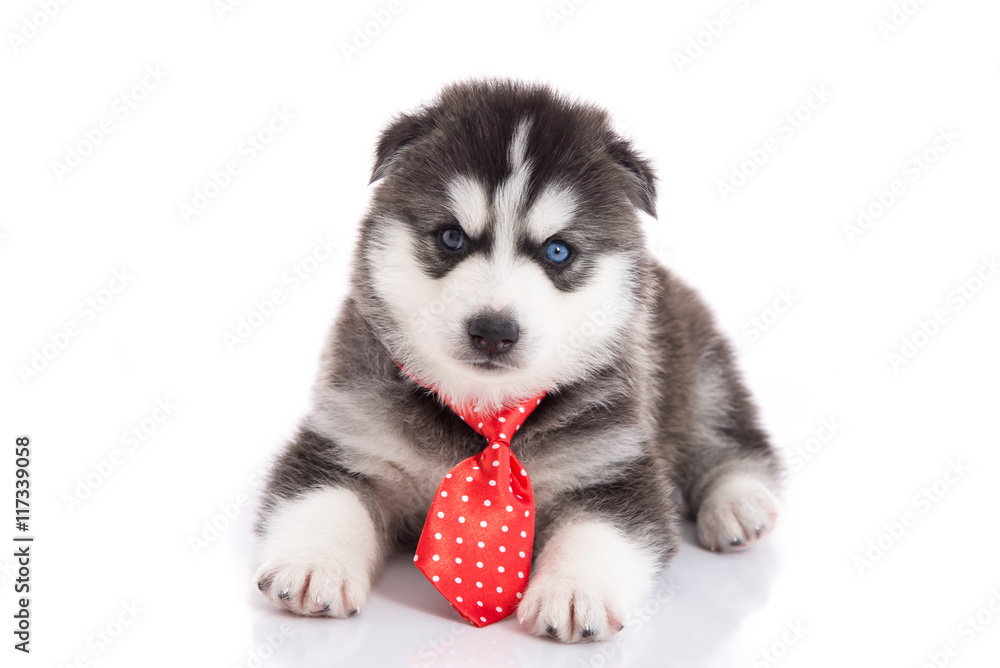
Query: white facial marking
[[468, 202], [508, 200], [552, 211]]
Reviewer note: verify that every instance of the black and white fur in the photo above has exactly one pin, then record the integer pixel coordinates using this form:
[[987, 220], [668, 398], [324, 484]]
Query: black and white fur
[[644, 398]]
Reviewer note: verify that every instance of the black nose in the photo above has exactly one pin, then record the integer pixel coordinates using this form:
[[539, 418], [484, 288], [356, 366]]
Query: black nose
[[493, 334]]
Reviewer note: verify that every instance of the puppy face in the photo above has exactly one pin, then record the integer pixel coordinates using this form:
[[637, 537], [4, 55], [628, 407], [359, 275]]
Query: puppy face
[[503, 247]]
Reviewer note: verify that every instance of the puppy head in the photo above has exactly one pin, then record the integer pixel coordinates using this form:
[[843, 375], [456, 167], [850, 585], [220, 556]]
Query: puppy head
[[502, 253]]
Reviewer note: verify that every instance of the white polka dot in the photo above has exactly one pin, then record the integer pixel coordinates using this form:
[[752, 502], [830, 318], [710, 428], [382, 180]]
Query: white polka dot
[[509, 488], [479, 603], [465, 498], [500, 568], [475, 468], [499, 590], [468, 479], [458, 598], [524, 534], [458, 540], [523, 472], [458, 560], [516, 427], [503, 528], [496, 445], [479, 584], [518, 594], [435, 578], [496, 463], [520, 574], [522, 554], [538, 401], [458, 581], [482, 544], [499, 609], [526, 513], [486, 502], [510, 508], [444, 493], [438, 536], [479, 564], [503, 549], [414, 557], [436, 558], [493, 483], [461, 520], [502, 419], [503, 435], [483, 524], [520, 408], [440, 514], [447, 475], [482, 619], [480, 425], [476, 410]]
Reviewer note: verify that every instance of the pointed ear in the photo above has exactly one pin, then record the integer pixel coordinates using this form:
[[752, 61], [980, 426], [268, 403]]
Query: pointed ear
[[641, 179], [403, 130]]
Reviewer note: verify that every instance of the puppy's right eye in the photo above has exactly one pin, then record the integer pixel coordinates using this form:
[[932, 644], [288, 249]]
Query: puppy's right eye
[[451, 238]]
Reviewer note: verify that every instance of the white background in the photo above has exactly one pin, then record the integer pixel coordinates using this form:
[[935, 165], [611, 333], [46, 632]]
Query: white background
[[897, 428]]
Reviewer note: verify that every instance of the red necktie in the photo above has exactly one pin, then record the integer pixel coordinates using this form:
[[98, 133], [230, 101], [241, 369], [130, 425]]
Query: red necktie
[[476, 544]]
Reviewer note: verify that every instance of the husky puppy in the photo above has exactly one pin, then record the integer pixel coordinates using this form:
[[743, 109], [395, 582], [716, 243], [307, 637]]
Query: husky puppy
[[503, 256]]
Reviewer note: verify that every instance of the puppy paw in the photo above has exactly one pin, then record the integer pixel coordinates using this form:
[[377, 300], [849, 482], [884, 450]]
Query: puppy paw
[[320, 553], [739, 511], [568, 610], [316, 589], [586, 580]]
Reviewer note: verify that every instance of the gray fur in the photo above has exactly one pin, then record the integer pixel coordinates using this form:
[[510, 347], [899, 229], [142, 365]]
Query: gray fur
[[660, 409]]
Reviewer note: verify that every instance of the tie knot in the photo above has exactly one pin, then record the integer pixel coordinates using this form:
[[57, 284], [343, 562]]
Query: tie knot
[[498, 427]]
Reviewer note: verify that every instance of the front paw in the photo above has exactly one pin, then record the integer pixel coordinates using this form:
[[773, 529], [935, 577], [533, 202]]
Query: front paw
[[569, 610], [587, 579], [314, 588], [739, 511], [319, 554]]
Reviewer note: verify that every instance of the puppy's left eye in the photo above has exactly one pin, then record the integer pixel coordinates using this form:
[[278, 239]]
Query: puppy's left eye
[[451, 238], [557, 252]]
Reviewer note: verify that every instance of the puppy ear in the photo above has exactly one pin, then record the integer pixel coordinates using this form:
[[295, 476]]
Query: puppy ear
[[403, 130], [641, 179]]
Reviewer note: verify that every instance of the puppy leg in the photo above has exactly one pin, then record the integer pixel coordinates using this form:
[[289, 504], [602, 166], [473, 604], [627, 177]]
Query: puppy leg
[[600, 562], [320, 550], [729, 474]]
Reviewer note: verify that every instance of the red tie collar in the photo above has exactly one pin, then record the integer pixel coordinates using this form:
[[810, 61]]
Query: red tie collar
[[475, 547]]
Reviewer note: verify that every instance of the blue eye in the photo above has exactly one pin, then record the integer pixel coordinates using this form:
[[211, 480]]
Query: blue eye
[[452, 238], [557, 252]]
